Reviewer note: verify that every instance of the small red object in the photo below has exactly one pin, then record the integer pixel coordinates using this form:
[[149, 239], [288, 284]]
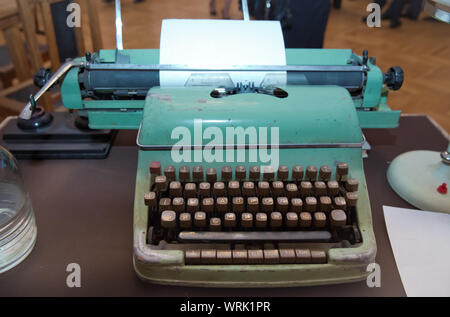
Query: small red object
[[155, 168], [442, 189]]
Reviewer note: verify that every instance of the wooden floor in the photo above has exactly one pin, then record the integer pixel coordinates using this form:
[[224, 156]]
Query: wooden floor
[[421, 48]]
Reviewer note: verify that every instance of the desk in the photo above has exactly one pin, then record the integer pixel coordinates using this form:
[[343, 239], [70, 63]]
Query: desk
[[84, 214]]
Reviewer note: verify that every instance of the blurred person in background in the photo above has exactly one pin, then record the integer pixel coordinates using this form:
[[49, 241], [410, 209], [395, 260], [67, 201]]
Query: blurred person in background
[[225, 10], [395, 11]]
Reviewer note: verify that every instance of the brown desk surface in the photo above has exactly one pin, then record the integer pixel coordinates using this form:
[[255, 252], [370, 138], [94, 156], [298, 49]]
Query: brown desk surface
[[84, 211]]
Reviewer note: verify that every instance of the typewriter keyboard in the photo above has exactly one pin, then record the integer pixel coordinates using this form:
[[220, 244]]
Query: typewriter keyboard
[[268, 216]]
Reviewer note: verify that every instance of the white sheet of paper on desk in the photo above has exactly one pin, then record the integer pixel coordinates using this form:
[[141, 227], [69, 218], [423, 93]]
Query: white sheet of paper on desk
[[420, 241], [221, 44]]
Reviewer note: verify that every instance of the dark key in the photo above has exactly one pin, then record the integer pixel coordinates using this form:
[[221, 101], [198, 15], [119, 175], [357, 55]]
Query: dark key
[[240, 173], [240, 256], [190, 190], [261, 220], [271, 256], [291, 190], [215, 224], [192, 205], [248, 189], [283, 173], [170, 173], [168, 219], [227, 173], [278, 188], [254, 236], [287, 256], [175, 189], [224, 257], [208, 256], [320, 188], [204, 189], [165, 204], [197, 173], [184, 173], [252, 204], [333, 188], [341, 169], [222, 204], [303, 256], [247, 220], [306, 188], [351, 185], [234, 188], [208, 205], [338, 218], [192, 257], [325, 204], [291, 220], [255, 256], [155, 168], [238, 204], [339, 203], [211, 175], [178, 204], [310, 204], [296, 205], [351, 198], [200, 219], [297, 173], [305, 220], [267, 204], [161, 183], [325, 173], [320, 219], [276, 219], [150, 199], [318, 257], [263, 189], [229, 220], [255, 173], [219, 189], [282, 204], [268, 173], [185, 220], [311, 173]]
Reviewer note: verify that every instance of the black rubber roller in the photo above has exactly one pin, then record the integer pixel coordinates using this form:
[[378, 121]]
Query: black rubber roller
[[394, 78]]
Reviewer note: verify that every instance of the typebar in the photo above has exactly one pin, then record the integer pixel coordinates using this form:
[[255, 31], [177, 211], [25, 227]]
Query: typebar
[[255, 236]]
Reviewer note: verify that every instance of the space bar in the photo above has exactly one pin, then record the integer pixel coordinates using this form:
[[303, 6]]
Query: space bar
[[255, 236]]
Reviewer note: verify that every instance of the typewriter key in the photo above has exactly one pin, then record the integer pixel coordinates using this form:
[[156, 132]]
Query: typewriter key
[[229, 220], [208, 205], [296, 205], [282, 204], [278, 188], [240, 256], [283, 173], [318, 257], [168, 219], [178, 204], [255, 173], [333, 188], [175, 189], [208, 256], [165, 204], [227, 173], [267, 204], [185, 220], [261, 220], [252, 204], [190, 190], [338, 218], [211, 175], [238, 204], [341, 170], [351, 185], [219, 189], [291, 220], [271, 256], [200, 219], [215, 224], [268, 173], [263, 189], [325, 173], [255, 256], [155, 168], [248, 189], [184, 173], [197, 173], [320, 219], [222, 204], [204, 189], [287, 256], [161, 183], [325, 204], [224, 257], [303, 256], [320, 188], [305, 220], [297, 173], [310, 204], [351, 199], [306, 188], [247, 220], [339, 203], [240, 173], [192, 205], [150, 199], [234, 188], [311, 173], [192, 256], [170, 173], [291, 190], [276, 219]]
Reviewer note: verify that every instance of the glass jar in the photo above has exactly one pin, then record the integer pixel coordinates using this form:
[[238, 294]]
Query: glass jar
[[17, 223]]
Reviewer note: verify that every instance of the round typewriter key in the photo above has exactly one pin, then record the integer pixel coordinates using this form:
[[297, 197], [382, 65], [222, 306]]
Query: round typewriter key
[[268, 173], [192, 205], [306, 188], [320, 188], [261, 220], [170, 173], [248, 189], [200, 219], [255, 173], [161, 183], [252, 204], [227, 173], [178, 204], [325, 173], [168, 219], [271, 256], [197, 173], [215, 224], [283, 173], [204, 189], [211, 175], [175, 189], [224, 257], [185, 220], [165, 204], [255, 256], [339, 203], [155, 168], [282, 204], [291, 220], [192, 257], [338, 218], [229, 220], [305, 220], [184, 173], [247, 220], [320, 219], [263, 189], [318, 257], [219, 189], [333, 188], [222, 204], [287, 256], [208, 256], [238, 204], [351, 199], [278, 188], [276, 219], [296, 205], [150, 199], [325, 204], [341, 169], [208, 205], [310, 204], [351, 185], [234, 188], [240, 173], [311, 173], [303, 256], [267, 204], [190, 190], [297, 173], [291, 190]]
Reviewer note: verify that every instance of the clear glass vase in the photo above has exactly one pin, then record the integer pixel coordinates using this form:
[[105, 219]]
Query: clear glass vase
[[17, 223]]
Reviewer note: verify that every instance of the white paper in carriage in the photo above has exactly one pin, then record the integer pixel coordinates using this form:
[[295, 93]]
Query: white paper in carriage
[[221, 44]]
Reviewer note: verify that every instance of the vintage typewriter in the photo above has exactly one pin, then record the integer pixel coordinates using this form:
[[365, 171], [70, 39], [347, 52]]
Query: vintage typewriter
[[302, 218]]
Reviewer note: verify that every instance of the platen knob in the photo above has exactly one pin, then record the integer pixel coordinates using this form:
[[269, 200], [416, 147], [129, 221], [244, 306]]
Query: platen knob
[[41, 77], [394, 78]]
